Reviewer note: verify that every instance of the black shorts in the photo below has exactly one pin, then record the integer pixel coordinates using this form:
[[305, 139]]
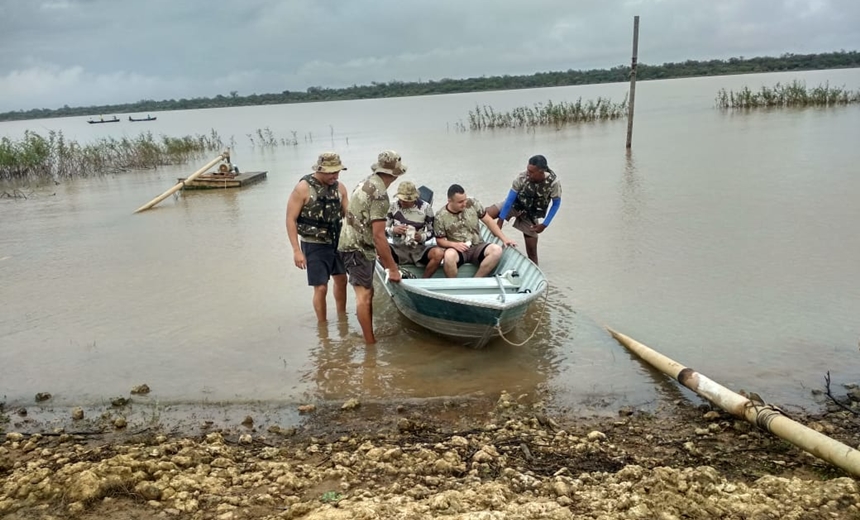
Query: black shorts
[[410, 255], [323, 262], [360, 269], [473, 255]]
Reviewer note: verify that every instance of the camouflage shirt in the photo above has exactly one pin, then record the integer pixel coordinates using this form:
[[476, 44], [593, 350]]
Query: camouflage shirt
[[368, 203], [533, 198], [419, 216], [460, 227]]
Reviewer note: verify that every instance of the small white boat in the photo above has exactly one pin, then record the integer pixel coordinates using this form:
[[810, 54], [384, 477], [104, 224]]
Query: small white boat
[[470, 310]]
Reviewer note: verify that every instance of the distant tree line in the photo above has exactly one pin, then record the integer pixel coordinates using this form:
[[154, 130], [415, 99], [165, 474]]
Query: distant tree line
[[689, 68]]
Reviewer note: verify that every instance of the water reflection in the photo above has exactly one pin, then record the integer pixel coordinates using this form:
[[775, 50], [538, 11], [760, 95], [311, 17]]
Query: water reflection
[[632, 208], [224, 202], [335, 371], [410, 362]]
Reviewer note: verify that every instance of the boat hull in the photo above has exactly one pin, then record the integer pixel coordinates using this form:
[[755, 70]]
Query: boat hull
[[463, 322], [469, 310]]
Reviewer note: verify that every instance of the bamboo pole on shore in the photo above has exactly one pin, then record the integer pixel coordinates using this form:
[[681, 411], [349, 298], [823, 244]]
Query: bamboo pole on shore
[[633, 63], [180, 184], [764, 416]]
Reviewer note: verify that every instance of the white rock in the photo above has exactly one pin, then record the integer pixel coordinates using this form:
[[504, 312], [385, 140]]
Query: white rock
[[596, 436]]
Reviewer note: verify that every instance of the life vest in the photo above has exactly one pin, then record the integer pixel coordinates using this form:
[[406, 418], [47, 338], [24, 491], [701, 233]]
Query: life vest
[[533, 200], [321, 217]]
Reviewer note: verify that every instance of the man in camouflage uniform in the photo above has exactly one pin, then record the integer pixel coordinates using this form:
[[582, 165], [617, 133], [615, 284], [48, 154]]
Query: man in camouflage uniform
[[314, 212], [363, 236], [457, 230], [528, 200], [410, 225]]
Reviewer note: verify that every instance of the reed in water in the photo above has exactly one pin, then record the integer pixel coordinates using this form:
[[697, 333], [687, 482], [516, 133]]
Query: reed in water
[[546, 114], [36, 157], [794, 94], [265, 138]]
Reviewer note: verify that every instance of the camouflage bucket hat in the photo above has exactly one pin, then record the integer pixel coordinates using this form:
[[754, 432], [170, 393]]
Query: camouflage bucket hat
[[389, 162], [328, 162], [407, 192]]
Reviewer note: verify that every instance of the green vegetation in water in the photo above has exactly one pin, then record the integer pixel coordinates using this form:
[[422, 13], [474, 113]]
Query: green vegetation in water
[[794, 94], [545, 114], [617, 74], [264, 138], [53, 157]]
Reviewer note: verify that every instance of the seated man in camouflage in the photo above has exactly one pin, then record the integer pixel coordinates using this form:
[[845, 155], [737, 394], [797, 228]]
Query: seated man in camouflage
[[410, 225], [457, 230]]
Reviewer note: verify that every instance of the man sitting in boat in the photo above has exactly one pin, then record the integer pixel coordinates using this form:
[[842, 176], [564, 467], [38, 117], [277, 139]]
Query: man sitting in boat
[[410, 225], [457, 230]]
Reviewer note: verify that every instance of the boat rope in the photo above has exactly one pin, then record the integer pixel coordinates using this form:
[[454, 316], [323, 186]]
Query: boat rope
[[537, 325]]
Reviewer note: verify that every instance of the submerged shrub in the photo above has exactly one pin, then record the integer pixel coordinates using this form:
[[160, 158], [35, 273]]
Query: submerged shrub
[[794, 94], [40, 158], [544, 114]]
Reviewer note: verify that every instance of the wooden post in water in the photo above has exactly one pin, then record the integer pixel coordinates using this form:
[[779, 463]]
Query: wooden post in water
[[632, 99], [180, 184]]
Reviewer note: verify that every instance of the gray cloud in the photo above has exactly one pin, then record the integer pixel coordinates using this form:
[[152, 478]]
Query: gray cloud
[[82, 52]]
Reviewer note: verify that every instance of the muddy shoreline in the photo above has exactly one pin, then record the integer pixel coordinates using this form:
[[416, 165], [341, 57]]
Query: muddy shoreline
[[511, 457]]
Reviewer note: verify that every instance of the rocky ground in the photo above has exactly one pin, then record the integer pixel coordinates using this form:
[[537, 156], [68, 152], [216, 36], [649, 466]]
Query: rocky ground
[[503, 459]]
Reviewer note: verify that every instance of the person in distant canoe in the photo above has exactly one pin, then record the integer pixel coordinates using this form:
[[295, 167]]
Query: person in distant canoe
[[458, 231], [410, 225], [315, 213], [363, 236], [534, 199]]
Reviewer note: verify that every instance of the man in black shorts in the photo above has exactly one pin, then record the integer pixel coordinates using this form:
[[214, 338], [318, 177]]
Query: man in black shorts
[[457, 230], [315, 213]]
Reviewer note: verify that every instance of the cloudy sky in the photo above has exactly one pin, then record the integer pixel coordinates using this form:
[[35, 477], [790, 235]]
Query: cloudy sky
[[87, 52]]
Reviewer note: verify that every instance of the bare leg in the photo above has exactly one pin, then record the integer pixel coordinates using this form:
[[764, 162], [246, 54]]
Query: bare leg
[[450, 265], [364, 309], [492, 255], [531, 248], [340, 292], [320, 292], [434, 260]]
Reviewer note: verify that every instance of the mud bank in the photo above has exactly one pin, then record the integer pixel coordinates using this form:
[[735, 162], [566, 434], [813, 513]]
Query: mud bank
[[503, 459]]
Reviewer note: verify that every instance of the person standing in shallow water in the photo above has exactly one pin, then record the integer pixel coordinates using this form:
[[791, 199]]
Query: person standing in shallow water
[[363, 236], [534, 199], [315, 213]]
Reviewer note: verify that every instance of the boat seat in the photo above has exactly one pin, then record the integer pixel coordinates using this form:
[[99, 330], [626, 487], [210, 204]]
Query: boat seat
[[464, 284]]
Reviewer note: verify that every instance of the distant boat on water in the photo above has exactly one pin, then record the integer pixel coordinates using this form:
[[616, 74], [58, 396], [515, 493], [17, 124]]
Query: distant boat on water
[[103, 120], [147, 118]]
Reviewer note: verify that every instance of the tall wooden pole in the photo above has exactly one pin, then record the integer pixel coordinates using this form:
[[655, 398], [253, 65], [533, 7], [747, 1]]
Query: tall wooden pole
[[632, 99]]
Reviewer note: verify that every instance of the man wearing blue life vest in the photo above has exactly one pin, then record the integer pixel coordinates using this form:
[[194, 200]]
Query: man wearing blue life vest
[[315, 213], [534, 199]]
